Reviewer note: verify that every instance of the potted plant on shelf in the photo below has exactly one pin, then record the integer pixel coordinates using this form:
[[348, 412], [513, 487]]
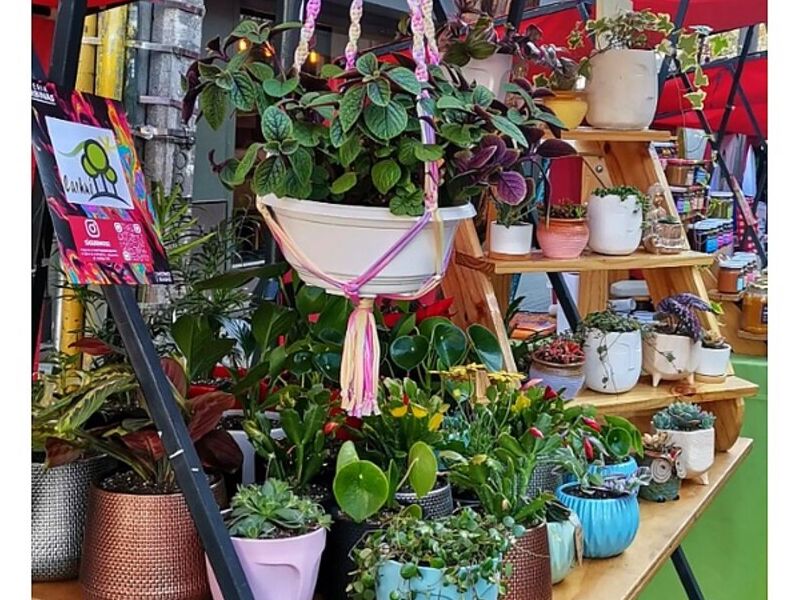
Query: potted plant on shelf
[[613, 349], [65, 400], [558, 361], [456, 557], [663, 460], [567, 102], [564, 540], [606, 506], [561, 230], [623, 78], [278, 537], [615, 217], [617, 442], [501, 482], [672, 344], [691, 429], [714, 356]]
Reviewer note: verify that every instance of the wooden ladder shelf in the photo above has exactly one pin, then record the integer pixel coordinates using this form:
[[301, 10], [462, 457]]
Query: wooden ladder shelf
[[480, 285]]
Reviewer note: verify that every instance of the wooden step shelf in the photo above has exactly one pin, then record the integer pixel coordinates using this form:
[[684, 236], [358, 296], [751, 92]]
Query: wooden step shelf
[[662, 528], [535, 262], [590, 134], [758, 337], [723, 297]]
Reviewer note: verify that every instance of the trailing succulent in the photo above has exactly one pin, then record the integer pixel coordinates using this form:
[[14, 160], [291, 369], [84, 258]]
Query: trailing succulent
[[683, 416], [272, 510], [608, 321], [624, 191], [354, 136], [466, 547], [677, 315]]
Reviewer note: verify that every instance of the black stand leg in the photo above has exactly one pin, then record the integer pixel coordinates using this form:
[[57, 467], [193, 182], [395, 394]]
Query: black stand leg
[[565, 299], [686, 575]]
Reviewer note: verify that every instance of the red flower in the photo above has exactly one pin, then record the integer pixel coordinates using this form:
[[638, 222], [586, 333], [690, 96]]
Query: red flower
[[330, 427], [588, 450], [536, 433], [592, 423], [550, 393], [406, 399]]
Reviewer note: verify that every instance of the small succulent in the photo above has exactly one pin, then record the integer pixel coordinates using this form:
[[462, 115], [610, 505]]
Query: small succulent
[[677, 315], [714, 341], [608, 321], [657, 442], [560, 350], [630, 484], [683, 416], [272, 510]]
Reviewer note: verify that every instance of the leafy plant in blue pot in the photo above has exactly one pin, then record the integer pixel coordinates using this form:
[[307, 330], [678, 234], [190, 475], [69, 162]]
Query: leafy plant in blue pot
[[455, 558], [616, 443], [606, 506]]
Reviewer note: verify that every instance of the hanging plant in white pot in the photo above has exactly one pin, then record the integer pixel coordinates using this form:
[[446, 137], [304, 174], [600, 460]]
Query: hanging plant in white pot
[[623, 82], [615, 219]]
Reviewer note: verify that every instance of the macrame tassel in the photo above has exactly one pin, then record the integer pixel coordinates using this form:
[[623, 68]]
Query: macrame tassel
[[360, 362]]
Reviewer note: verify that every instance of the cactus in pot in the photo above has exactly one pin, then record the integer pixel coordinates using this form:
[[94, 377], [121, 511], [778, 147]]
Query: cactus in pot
[[692, 429]]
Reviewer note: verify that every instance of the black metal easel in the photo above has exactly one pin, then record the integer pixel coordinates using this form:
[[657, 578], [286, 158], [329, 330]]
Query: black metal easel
[[125, 311]]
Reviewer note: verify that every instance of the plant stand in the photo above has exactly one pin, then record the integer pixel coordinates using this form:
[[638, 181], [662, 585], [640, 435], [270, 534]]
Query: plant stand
[[614, 158]]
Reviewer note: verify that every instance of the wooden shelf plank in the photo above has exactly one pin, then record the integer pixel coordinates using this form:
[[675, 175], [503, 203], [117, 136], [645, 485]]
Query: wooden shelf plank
[[57, 590], [646, 397], [759, 337], [661, 530], [723, 297], [536, 263], [589, 134]]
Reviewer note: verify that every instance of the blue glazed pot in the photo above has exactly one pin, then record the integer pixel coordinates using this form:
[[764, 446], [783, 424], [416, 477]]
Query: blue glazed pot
[[430, 585], [626, 468], [609, 525]]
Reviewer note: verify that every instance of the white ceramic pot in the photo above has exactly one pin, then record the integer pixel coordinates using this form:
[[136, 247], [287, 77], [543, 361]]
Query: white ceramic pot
[[617, 368], [279, 569], [713, 362], [344, 241], [623, 89], [615, 224], [492, 72], [697, 452], [670, 357], [515, 240]]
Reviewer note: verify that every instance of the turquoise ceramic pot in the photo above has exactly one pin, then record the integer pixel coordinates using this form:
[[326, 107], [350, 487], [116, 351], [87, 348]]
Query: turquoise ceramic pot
[[430, 585], [563, 554], [626, 468], [609, 526]]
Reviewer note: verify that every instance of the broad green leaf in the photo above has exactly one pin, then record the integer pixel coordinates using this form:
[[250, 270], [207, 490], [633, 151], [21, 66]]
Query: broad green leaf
[[458, 134], [269, 175], [386, 122], [347, 454], [449, 102], [360, 489], [405, 151], [239, 277], [408, 352], [428, 152], [350, 107], [215, 105], [507, 127], [423, 465], [331, 71], [450, 344], [406, 79], [367, 64], [247, 162], [306, 133], [618, 442], [302, 164], [310, 300], [482, 96], [344, 182], [349, 150], [385, 174], [243, 92], [277, 88], [486, 347], [336, 133], [427, 326], [275, 124], [404, 326], [261, 71], [378, 91]]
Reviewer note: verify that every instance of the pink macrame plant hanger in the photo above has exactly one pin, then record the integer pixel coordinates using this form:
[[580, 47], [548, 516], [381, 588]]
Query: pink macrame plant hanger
[[361, 353]]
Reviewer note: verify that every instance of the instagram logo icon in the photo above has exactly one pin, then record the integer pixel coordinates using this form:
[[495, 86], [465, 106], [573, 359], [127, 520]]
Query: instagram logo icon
[[92, 228]]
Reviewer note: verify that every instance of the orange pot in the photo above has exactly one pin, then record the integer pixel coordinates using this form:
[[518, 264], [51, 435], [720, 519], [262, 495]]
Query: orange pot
[[562, 238]]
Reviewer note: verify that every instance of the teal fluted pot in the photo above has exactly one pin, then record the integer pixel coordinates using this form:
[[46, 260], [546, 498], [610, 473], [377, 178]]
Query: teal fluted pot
[[430, 585], [563, 553]]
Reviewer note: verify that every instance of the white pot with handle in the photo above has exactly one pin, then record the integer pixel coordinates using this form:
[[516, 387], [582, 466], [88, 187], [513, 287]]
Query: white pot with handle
[[613, 360], [492, 72], [623, 89], [615, 224]]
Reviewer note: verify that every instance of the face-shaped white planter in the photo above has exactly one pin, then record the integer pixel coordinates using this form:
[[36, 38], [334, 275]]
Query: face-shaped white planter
[[492, 72], [623, 89], [615, 224], [670, 357], [613, 361], [697, 454]]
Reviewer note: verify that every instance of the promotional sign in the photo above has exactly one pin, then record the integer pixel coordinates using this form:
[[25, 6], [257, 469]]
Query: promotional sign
[[95, 189]]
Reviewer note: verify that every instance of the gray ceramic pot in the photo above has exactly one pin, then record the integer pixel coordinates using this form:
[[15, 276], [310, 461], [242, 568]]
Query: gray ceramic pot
[[546, 477], [437, 503]]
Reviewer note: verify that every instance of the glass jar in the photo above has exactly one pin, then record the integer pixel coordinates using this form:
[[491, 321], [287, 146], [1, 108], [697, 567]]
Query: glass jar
[[754, 307]]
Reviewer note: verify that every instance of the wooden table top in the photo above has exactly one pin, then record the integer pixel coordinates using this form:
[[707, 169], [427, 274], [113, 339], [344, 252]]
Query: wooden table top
[[661, 530]]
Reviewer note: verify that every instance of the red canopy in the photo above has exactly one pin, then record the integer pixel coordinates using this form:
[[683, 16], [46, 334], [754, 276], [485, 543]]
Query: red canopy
[[720, 15], [90, 4]]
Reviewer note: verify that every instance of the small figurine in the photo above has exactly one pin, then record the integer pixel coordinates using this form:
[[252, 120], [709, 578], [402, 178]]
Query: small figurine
[[663, 233], [664, 460]]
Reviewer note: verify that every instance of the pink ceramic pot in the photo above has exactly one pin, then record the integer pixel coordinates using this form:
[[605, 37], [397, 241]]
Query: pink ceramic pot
[[284, 569], [562, 238]]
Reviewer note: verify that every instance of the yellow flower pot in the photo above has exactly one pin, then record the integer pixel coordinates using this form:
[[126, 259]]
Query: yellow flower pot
[[569, 107]]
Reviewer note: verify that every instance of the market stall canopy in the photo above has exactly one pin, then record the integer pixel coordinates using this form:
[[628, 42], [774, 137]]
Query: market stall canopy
[[719, 15], [90, 4]]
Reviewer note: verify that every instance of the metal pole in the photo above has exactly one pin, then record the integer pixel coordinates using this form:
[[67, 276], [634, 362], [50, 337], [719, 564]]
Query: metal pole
[[515, 11], [685, 574], [565, 299], [737, 77]]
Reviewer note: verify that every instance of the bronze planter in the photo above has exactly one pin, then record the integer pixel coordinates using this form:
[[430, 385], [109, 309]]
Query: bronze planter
[[530, 560], [141, 546]]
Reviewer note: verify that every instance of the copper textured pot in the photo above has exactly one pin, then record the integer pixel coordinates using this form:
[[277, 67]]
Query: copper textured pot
[[141, 546], [562, 238], [530, 560]]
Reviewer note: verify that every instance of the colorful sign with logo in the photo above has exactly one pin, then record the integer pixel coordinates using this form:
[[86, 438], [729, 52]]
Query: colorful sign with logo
[[95, 189]]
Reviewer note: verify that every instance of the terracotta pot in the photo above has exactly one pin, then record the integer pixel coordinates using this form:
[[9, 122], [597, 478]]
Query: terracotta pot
[[530, 567], [569, 107], [141, 546], [562, 238]]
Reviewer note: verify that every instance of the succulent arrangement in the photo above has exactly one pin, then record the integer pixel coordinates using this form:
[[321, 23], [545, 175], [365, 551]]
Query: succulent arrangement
[[560, 350], [465, 546], [272, 510], [594, 484], [677, 315], [683, 416], [714, 341]]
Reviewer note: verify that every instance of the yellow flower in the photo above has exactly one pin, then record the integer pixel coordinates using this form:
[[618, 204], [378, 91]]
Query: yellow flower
[[418, 411], [400, 411], [521, 404], [435, 422]]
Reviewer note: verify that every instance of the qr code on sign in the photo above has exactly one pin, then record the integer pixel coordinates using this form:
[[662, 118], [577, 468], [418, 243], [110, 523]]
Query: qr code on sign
[[133, 242]]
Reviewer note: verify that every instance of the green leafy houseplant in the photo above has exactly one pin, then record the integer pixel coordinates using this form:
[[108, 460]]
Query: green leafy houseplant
[[683, 416], [616, 440], [466, 547], [635, 30], [609, 322], [592, 484], [273, 511]]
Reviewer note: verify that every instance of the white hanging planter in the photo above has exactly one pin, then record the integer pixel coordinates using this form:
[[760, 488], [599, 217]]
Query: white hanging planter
[[617, 368], [670, 357], [615, 224], [713, 362], [623, 89], [513, 241], [492, 72], [344, 241]]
